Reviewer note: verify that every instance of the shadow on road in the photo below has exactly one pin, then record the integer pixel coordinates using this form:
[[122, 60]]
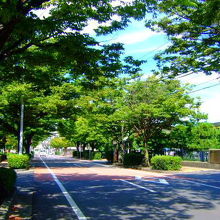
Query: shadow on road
[[106, 197]]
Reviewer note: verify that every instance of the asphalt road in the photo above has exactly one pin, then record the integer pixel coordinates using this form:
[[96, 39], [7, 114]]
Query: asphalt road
[[74, 189]]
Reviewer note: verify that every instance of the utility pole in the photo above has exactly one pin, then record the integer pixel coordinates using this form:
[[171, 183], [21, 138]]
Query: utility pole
[[20, 151]]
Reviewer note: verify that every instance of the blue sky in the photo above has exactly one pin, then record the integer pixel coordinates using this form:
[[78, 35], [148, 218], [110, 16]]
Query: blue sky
[[141, 43]]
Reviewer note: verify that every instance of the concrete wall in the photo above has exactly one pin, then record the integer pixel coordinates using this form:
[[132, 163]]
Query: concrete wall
[[214, 156], [201, 164]]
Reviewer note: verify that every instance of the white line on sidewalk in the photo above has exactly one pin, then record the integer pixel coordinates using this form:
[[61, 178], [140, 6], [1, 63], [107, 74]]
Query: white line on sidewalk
[[72, 203], [150, 190]]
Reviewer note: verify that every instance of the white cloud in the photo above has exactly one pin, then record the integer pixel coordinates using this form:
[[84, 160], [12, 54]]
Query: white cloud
[[43, 13], [93, 24], [115, 3], [211, 106], [135, 37], [209, 96], [198, 78], [89, 29]]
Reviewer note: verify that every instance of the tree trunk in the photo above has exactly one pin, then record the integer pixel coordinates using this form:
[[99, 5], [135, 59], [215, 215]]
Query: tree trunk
[[28, 144], [20, 147], [4, 140], [146, 155], [116, 155], [65, 151]]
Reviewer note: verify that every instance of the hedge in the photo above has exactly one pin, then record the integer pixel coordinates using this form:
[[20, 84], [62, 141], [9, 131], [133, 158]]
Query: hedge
[[2, 156], [166, 162], [96, 155], [7, 182], [109, 155], [133, 159], [18, 161], [88, 155]]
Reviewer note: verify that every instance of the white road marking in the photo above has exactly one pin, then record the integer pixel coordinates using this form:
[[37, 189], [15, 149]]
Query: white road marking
[[162, 181], [150, 190], [72, 203], [142, 187]]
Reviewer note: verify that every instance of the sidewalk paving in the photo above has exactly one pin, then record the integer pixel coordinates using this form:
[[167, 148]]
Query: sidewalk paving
[[21, 206]]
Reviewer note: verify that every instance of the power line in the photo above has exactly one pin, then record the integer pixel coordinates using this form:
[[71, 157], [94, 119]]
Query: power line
[[204, 88], [152, 51], [184, 75], [207, 81]]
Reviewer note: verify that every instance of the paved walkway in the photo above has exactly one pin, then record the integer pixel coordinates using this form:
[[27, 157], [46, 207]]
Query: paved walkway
[[22, 204]]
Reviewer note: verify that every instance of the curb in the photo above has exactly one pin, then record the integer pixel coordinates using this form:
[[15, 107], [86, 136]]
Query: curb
[[21, 208]]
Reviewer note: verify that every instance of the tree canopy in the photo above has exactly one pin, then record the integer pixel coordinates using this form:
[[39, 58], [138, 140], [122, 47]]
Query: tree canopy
[[70, 82], [193, 27]]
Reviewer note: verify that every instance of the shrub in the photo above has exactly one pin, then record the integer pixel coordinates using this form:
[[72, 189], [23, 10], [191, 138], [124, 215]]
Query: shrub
[[109, 155], [7, 181], [166, 162], [133, 159], [19, 161], [76, 154], [86, 155], [96, 155]]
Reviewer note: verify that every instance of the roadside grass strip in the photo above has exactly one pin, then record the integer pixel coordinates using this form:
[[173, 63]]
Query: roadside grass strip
[[72, 203]]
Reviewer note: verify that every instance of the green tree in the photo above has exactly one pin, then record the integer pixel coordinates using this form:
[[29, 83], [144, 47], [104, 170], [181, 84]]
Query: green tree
[[204, 136], [193, 29], [60, 143], [90, 123], [39, 111], [151, 106], [22, 27], [180, 136]]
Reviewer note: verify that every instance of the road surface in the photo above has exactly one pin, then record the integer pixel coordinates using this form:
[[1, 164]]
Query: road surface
[[75, 189]]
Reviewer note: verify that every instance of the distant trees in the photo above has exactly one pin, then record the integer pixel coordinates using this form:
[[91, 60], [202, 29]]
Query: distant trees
[[60, 143], [196, 136], [149, 107], [147, 115], [205, 136]]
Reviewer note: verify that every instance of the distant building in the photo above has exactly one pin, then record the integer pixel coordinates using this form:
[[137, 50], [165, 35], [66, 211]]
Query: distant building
[[216, 124]]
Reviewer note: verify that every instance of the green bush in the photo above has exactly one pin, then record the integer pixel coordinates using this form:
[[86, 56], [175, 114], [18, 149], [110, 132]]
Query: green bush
[[76, 154], [109, 155], [133, 159], [166, 162], [88, 155], [96, 155], [7, 182], [19, 161]]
